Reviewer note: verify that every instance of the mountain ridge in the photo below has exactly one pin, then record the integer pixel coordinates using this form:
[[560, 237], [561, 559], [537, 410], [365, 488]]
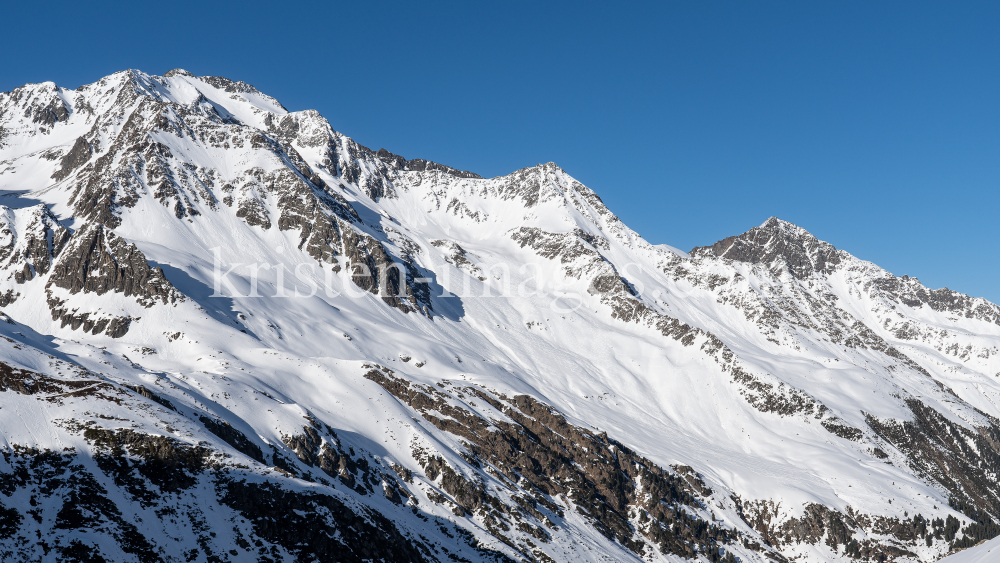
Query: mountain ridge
[[242, 316]]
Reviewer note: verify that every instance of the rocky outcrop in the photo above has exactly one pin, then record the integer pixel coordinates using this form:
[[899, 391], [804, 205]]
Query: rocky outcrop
[[56, 492], [850, 534], [317, 527], [50, 114], [94, 322], [317, 446], [964, 461], [419, 165], [459, 257], [374, 270], [96, 260], [60, 493], [910, 292], [231, 86], [531, 448], [77, 156], [30, 251], [781, 246], [51, 389], [232, 436], [778, 245], [168, 463]]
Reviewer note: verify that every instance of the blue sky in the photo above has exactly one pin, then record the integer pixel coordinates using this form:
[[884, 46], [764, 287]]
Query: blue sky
[[875, 125]]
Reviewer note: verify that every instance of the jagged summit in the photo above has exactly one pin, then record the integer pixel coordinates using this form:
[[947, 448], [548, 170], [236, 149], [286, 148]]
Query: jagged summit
[[777, 244], [783, 246], [397, 161]]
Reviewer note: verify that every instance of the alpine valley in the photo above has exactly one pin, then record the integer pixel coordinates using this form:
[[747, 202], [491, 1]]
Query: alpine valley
[[231, 333]]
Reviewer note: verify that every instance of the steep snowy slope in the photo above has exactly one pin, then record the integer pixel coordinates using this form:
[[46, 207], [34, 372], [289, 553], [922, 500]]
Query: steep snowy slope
[[985, 553], [233, 333]]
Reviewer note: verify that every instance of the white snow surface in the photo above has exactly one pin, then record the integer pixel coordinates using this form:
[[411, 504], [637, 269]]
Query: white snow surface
[[988, 552], [263, 363]]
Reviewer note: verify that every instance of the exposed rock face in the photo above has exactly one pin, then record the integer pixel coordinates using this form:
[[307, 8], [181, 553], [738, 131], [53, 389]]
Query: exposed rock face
[[96, 260], [52, 113], [75, 158], [420, 165], [840, 531], [168, 463], [376, 272], [30, 252], [962, 460], [36, 478], [458, 257], [51, 389], [542, 457], [231, 86], [95, 322], [285, 518], [777, 244], [76, 499], [910, 292], [230, 435]]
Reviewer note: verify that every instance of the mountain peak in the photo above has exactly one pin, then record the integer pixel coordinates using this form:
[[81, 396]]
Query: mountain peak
[[778, 245], [776, 223]]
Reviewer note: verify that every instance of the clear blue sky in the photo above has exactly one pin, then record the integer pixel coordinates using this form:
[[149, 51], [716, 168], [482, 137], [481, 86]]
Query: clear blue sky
[[875, 125]]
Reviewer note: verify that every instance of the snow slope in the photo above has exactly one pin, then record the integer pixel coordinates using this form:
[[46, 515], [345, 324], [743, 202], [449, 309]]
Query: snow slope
[[257, 338], [985, 553]]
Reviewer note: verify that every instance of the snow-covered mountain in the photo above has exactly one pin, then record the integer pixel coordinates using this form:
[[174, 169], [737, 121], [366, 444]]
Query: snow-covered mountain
[[231, 333]]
